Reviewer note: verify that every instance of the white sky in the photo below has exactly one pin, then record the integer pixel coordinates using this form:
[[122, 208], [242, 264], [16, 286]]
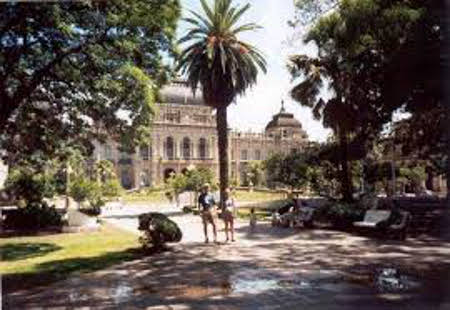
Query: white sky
[[254, 110]]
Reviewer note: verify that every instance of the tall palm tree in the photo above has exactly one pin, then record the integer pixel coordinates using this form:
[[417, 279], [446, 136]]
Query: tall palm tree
[[221, 64]]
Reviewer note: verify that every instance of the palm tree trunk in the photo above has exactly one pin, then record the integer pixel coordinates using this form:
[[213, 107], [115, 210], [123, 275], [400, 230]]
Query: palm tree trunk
[[222, 133], [346, 176]]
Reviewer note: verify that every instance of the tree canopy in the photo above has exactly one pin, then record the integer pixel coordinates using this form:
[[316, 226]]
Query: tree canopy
[[76, 71], [378, 57]]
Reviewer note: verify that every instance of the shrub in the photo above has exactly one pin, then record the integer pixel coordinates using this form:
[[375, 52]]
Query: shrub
[[34, 216], [111, 188], [30, 185], [341, 215], [84, 189], [158, 229]]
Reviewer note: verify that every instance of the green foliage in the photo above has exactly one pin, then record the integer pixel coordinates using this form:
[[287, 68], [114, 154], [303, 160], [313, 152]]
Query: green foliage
[[158, 229], [254, 173], [176, 184], [289, 170], [341, 215], [216, 59], [369, 52], [109, 183], [29, 184], [35, 215], [192, 180], [82, 188], [66, 67], [197, 177]]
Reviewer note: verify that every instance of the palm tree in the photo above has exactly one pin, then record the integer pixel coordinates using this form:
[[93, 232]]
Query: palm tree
[[221, 64]]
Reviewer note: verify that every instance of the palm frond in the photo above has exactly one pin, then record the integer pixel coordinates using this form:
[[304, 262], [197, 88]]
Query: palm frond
[[216, 59]]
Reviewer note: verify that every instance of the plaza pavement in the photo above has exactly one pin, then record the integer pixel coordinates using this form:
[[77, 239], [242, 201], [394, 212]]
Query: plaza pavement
[[270, 268]]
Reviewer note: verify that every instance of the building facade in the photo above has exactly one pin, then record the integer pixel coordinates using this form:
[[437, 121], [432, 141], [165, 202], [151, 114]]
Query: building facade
[[184, 135]]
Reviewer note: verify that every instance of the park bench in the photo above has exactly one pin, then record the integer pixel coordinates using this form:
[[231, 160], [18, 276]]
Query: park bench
[[372, 218], [379, 221]]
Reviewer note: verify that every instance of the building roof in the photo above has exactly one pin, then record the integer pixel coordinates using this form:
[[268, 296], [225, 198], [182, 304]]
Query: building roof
[[283, 119], [179, 92]]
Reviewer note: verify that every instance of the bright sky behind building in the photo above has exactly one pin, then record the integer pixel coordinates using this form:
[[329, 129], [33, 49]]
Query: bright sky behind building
[[254, 110]]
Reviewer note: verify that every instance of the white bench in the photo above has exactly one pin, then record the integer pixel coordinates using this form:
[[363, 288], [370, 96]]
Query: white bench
[[372, 218]]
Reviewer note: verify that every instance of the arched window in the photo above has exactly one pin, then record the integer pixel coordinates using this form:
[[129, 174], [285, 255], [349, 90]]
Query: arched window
[[186, 146], [170, 148], [202, 148]]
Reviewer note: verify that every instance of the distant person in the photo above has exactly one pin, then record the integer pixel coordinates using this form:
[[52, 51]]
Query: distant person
[[228, 215], [206, 205], [252, 219]]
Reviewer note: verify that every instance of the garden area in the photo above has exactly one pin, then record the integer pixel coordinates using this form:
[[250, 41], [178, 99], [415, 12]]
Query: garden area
[[30, 261]]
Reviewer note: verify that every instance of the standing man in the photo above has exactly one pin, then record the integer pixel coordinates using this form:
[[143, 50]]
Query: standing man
[[206, 204]]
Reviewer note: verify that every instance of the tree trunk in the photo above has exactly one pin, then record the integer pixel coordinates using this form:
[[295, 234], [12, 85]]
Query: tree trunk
[[346, 175], [222, 133]]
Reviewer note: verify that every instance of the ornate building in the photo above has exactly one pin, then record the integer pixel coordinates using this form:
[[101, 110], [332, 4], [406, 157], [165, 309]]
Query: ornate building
[[184, 134]]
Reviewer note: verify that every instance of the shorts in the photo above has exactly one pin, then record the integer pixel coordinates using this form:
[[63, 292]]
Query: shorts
[[227, 215], [207, 216]]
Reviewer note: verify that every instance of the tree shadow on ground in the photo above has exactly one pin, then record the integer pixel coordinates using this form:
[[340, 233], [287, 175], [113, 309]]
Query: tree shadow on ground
[[52, 271], [204, 277], [18, 251]]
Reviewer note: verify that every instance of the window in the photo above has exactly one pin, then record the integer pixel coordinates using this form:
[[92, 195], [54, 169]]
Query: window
[[244, 155], [202, 148], [198, 118], [173, 117], [186, 148], [169, 146], [144, 152], [285, 133], [257, 155]]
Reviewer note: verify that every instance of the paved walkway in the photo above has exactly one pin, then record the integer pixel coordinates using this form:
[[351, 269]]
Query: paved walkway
[[269, 268]]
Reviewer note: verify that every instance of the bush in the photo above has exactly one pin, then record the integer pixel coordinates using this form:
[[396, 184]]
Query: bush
[[34, 216], [30, 185], [158, 229], [84, 189], [341, 215]]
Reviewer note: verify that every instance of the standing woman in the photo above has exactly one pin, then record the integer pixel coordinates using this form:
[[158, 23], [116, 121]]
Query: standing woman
[[228, 215]]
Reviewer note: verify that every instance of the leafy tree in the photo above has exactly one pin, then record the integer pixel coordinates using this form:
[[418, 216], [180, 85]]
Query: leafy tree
[[221, 63], [106, 176], [255, 172], [27, 183], [289, 170], [197, 177], [176, 184], [368, 51], [83, 188], [79, 70]]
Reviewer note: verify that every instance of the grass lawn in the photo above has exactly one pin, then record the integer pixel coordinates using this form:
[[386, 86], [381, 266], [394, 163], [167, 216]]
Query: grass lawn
[[158, 196], [28, 261], [262, 209], [257, 196], [146, 196]]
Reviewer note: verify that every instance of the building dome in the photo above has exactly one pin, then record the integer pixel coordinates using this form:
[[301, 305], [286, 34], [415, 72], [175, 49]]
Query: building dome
[[179, 92], [283, 119]]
